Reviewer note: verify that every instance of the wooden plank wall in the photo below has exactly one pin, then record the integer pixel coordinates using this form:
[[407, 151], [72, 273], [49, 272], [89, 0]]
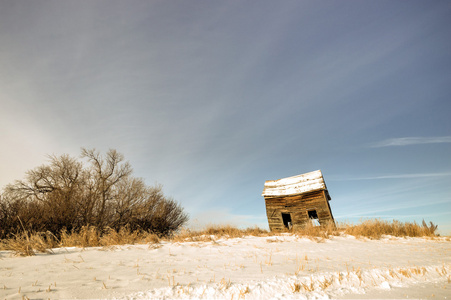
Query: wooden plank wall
[[298, 206]]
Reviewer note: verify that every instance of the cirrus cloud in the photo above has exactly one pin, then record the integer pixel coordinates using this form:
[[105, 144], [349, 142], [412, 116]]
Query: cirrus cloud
[[407, 141]]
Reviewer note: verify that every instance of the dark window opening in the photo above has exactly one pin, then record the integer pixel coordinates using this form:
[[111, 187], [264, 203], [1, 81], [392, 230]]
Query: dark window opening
[[313, 216], [286, 218]]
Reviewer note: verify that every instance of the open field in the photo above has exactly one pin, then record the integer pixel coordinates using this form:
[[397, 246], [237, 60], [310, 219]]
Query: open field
[[235, 266]]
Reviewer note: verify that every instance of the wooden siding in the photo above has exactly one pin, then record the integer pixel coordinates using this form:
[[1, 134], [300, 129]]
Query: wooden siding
[[298, 206]]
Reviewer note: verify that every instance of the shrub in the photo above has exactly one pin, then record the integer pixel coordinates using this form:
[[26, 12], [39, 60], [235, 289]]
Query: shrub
[[68, 196]]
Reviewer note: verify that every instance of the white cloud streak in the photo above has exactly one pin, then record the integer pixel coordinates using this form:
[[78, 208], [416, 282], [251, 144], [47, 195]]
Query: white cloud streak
[[408, 141], [396, 176]]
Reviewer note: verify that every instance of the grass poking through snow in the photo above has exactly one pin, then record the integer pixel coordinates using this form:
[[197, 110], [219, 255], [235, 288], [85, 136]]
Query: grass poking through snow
[[27, 244]]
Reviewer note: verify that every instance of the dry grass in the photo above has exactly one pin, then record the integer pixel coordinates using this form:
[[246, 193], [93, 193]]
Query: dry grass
[[89, 236], [92, 237], [373, 229], [214, 232], [296, 287], [27, 244], [376, 228], [317, 232]]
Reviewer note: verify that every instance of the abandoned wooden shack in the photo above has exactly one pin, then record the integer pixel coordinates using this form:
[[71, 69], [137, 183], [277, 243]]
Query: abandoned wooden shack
[[295, 201]]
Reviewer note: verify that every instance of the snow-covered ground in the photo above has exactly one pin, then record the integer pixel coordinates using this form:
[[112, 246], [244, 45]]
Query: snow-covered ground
[[277, 267]]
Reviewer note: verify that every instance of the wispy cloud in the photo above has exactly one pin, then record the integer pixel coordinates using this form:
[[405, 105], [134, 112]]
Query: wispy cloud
[[395, 176], [407, 141]]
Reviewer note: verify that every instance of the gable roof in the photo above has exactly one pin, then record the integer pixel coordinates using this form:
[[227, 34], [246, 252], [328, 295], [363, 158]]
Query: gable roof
[[299, 184]]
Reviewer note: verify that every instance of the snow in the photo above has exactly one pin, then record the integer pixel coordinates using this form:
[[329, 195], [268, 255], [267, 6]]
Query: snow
[[298, 184], [277, 267]]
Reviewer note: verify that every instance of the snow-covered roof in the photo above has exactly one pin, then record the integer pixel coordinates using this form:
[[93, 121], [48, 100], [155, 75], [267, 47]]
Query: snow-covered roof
[[299, 184]]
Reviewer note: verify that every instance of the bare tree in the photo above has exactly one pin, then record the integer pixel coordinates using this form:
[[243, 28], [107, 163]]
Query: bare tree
[[47, 198], [160, 214], [65, 194], [131, 195], [106, 173]]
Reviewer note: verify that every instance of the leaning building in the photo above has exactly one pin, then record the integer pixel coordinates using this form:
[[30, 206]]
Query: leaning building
[[293, 202]]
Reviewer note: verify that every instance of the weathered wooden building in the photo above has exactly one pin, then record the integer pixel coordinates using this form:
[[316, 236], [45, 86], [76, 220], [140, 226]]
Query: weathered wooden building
[[296, 201]]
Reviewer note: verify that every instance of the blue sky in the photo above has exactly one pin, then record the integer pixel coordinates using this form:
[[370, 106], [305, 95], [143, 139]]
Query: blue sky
[[212, 98]]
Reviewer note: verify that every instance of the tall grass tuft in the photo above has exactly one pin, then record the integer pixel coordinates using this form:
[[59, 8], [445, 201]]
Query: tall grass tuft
[[91, 236], [324, 231], [26, 244], [376, 228], [88, 236], [212, 232], [126, 236]]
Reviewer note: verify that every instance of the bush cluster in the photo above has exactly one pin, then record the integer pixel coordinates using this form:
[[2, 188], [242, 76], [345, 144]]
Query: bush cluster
[[67, 195]]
